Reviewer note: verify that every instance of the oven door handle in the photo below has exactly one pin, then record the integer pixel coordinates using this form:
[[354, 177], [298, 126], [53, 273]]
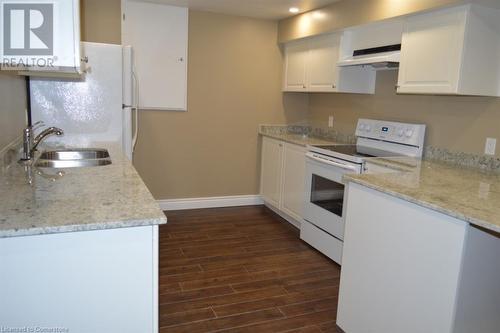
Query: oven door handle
[[332, 163]]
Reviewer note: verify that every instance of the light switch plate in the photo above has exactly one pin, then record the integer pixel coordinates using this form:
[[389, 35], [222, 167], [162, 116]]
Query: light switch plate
[[490, 147], [330, 121]]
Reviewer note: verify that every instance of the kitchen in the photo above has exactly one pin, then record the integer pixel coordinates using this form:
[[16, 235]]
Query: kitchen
[[228, 110]]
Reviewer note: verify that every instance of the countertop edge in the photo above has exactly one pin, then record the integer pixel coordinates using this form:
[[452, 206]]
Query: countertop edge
[[282, 138], [424, 204], [82, 227], [298, 142]]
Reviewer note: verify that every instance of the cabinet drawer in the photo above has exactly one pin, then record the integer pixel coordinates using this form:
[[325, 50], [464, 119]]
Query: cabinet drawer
[[322, 241]]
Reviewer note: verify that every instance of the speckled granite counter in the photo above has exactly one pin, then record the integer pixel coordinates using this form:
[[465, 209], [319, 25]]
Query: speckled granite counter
[[105, 197], [464, 193], [304, 135]]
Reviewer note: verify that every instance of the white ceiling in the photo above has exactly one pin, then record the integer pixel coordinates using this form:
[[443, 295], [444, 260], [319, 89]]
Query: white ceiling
[[265, 9]]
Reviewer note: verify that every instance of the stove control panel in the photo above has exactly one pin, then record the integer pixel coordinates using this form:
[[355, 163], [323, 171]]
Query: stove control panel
[[402, 133]]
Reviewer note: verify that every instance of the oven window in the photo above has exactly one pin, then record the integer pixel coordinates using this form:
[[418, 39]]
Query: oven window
[[327, 194]]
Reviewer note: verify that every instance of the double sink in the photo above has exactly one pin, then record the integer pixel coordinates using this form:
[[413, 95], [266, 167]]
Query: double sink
[[73, 158]]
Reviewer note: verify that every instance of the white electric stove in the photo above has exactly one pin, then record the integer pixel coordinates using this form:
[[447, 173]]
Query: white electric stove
[[324, 211]]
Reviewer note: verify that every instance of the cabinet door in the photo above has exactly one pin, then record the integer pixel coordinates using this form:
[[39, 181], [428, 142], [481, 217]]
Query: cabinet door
[[271, 171], [431, 52], [322, 63], [55, 50], [296, 54], [294, 166], [158, 34]]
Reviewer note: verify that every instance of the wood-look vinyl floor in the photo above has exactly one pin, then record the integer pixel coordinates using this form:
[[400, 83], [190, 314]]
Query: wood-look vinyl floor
[[242, 269]]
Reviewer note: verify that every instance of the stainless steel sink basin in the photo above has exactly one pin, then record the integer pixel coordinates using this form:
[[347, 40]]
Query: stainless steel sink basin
[[74, 154], [73, 158], [71, 163]]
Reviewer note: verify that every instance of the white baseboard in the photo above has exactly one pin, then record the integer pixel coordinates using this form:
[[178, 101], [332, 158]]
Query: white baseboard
[[210, 202]]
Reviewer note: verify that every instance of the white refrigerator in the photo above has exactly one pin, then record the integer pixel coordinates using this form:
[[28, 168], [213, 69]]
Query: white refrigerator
[[99, 107]]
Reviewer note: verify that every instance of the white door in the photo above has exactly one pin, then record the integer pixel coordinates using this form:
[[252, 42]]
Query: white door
[[322, 63], [431, 52], [294, 169], [296, 55], [159, 35], [271, 171]]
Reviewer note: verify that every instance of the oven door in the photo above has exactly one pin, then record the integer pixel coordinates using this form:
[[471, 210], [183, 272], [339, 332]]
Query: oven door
[[324, 200]]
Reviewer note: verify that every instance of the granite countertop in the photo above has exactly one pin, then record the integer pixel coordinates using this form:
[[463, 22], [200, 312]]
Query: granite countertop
[[299, 139], [82, 199], [304, 135], [467, 194]]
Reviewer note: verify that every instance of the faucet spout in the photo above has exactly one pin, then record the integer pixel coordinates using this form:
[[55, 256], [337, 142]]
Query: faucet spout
[[45, 133]]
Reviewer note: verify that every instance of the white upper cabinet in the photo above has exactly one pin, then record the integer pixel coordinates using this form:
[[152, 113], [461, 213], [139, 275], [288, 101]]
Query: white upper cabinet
[[451, 51], [158, 34], [43, 39], [296, 54], [311, 66], [322, 64]]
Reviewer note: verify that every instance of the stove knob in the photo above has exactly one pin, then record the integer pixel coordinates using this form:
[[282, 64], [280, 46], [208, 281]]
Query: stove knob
[[368, 128], [401, 133], [409, 133], [361, 127]]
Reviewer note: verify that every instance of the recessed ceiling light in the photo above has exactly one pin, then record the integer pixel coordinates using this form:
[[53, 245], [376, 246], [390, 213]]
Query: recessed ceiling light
[[293, 10]]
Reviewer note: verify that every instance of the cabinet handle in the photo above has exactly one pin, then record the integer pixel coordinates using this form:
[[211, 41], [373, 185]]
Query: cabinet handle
[[304, 86], [334, 86], [181, 59]]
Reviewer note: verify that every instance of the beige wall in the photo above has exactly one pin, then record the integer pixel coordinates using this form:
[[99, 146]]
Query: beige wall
[[234, 84], [349, 13], [13, 107], [101, 21], [456, 123]]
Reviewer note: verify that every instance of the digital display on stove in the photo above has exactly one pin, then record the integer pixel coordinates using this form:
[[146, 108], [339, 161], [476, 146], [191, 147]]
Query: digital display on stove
[[385, 129]]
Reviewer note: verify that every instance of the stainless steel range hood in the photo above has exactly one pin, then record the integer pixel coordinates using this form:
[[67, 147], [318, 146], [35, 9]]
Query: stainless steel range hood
[[383, 57]]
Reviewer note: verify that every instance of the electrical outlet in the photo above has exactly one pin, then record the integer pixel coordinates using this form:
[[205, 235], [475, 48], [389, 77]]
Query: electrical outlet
[[490, 146], [330, 121]]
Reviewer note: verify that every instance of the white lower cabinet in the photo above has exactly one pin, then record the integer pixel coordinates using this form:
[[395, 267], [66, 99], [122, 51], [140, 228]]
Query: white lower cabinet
[[80, 282], [294, 168], [271, 171], [283, 177], [406, 268]]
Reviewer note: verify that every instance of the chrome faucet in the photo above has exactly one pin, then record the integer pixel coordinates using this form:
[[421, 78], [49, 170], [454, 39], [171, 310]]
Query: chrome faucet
[[30, 144]]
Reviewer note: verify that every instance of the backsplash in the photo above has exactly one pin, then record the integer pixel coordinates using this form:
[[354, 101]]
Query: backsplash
[[468, 160], [316, 132], [455, 123], [463, 159]]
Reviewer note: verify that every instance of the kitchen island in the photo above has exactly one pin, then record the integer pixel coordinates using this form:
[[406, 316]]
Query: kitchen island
[[421, 249], [78, 248]]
